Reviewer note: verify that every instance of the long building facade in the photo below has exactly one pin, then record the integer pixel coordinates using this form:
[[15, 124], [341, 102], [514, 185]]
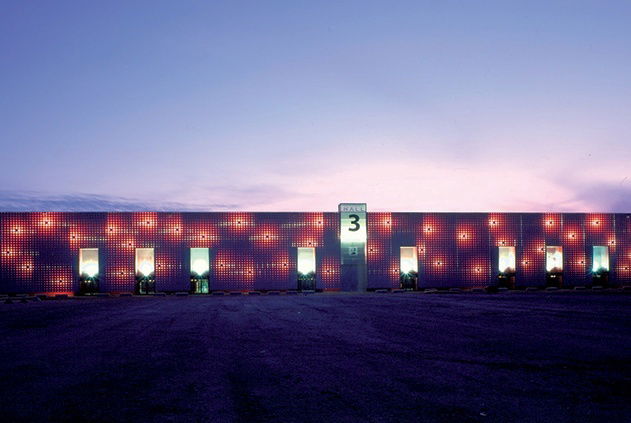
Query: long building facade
[[68, 252]]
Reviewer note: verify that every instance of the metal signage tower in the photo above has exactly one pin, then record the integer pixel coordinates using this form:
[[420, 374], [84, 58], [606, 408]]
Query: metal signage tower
[[353, 236]]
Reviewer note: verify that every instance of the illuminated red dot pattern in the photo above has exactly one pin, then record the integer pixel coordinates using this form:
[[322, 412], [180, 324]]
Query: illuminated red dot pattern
[[381, 257], [39, 251]]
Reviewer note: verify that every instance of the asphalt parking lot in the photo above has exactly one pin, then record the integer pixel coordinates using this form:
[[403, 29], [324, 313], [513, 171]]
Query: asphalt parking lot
[[562, 357]]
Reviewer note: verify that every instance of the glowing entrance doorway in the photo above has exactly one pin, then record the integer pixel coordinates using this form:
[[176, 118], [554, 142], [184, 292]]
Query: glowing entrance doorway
[[506, 260], [306, 269], [408, 264], [145, 271], [200, 270], [554, 266], [88, 270]]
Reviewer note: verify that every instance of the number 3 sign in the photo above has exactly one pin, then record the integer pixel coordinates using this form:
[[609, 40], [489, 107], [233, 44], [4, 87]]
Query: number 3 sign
[[353, 223]]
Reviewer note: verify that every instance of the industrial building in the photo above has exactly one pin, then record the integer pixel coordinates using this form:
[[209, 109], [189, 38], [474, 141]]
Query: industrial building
[[351, 250]]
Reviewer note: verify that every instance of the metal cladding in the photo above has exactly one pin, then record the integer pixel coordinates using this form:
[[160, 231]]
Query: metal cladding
[[258, 251]]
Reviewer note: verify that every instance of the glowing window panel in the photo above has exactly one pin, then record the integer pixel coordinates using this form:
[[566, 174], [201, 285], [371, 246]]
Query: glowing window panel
[[306, 260], [408, 260], [145, 261], [554, 259], [507, 259], [89, 262], [200, 262], [601, 259]]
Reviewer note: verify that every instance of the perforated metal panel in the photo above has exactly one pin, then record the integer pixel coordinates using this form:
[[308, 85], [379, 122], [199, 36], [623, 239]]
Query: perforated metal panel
[[39, 252]]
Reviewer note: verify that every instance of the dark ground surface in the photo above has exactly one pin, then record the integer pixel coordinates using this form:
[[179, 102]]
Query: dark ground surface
[[562, 357]]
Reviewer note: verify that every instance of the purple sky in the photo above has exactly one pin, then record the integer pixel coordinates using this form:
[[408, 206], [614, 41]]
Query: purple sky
[[300, 105]]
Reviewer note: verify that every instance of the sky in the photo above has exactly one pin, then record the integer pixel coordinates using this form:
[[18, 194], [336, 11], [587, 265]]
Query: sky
[[300, 105]]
